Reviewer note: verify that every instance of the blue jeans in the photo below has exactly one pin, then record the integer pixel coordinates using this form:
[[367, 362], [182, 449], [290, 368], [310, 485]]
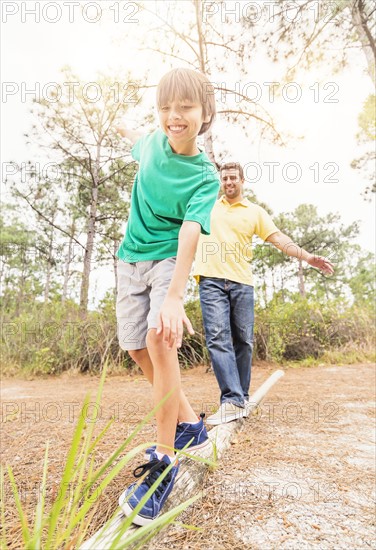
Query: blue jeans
[[228, 315]]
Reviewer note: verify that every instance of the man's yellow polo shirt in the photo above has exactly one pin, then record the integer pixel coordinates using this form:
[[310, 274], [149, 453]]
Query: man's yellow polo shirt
[[227, 252]]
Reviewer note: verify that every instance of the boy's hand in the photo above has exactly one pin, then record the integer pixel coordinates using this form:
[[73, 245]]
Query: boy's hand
[[125, 132], [171, 319], [121, 129], [321, 263]]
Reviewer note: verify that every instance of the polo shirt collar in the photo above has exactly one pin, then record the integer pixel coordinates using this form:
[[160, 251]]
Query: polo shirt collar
[[243, 202]]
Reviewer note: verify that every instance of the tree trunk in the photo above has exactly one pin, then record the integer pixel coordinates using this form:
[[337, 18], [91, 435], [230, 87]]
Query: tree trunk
[[49, 266], [48, 281], [208, 141], [202, 59], [20, 294], [264, 292], [208, 137], [91, 228], [84, 294], [302, 291], [273, 282], [359, 19], [68, 261], [283, 287]]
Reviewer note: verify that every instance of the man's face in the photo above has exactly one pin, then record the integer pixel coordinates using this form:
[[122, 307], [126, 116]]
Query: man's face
[[232, 185]]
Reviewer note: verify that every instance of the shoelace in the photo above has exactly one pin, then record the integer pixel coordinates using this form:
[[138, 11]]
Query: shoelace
[[156, 467]]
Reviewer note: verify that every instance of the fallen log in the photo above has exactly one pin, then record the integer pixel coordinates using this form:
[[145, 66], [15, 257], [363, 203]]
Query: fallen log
[[191, 473]]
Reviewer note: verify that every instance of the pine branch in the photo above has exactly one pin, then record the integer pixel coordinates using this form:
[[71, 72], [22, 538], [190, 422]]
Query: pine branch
[[46, 219]]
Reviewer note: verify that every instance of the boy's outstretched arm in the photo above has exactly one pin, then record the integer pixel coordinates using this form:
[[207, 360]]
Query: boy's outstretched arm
[[287, 246], [132, 135], [172, 316]]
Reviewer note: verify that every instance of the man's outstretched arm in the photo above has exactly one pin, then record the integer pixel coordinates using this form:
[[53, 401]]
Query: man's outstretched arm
[[286, 245]]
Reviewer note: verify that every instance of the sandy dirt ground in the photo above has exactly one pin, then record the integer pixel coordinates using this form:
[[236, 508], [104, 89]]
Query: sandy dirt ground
[[301, 473]]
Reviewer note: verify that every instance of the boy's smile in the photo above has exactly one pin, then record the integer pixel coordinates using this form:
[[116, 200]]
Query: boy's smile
[[181, 121], [176, 129]]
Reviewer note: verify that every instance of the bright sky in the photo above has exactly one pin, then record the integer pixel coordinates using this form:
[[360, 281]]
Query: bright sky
[[34, 52]]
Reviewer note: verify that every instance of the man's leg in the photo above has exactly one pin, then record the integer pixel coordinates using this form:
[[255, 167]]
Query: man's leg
[[242, 321], [215, 308], [142, 358]]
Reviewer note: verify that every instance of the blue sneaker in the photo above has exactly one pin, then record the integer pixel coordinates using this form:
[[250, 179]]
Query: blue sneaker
[[132, 496], [185, 432]]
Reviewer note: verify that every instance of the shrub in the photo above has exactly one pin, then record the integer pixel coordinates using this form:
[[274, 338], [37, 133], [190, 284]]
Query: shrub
[[52, 338], [301, 329]]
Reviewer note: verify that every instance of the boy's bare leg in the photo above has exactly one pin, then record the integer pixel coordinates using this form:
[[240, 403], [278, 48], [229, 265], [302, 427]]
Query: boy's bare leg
[[166, 377], [142, 358]]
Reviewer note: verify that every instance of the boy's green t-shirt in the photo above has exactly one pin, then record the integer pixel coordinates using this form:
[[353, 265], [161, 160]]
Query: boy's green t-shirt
[[168, 190]]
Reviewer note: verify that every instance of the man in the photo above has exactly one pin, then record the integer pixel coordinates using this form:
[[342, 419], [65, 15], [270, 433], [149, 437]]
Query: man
[[224, 273]]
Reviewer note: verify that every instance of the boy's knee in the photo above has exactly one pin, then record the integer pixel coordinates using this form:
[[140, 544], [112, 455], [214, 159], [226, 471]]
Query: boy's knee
[[137, 354], [152, 338]]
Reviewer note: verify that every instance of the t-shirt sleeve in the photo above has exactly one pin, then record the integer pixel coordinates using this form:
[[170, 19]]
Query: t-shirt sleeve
[[136, 149], [264, 225], [201, 204]]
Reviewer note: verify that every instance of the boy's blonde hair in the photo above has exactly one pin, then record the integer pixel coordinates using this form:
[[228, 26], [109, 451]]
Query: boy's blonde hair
[[186, 84]]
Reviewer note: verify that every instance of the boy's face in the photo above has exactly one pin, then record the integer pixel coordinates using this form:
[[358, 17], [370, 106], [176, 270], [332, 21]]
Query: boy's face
[[181, 121], [232, 184]]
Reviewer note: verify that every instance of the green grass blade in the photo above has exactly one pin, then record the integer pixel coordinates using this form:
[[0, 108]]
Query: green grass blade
[[188, 527], [66, 522], [97, 401], [36, 542], [100, 436], [25, 529], [84, 526], [91, 500], [57, 506], [3, 540], [147, 532], [75, 483], [79, 470], [81, 463], [83, 459], [79, 493], [212, 463], [120, 449]]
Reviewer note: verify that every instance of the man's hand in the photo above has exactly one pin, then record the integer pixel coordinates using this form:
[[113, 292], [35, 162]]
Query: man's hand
[[287, 246], [321, 263], [171, 319]]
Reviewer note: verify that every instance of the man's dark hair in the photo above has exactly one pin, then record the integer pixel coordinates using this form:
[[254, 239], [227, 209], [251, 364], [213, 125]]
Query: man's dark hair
[[232, 166]]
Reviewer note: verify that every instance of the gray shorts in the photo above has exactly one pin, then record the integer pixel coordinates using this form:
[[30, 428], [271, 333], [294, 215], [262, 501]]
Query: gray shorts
[[142, 287]]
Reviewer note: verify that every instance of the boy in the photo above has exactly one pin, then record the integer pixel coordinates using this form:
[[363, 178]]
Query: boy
[[172, 197]]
